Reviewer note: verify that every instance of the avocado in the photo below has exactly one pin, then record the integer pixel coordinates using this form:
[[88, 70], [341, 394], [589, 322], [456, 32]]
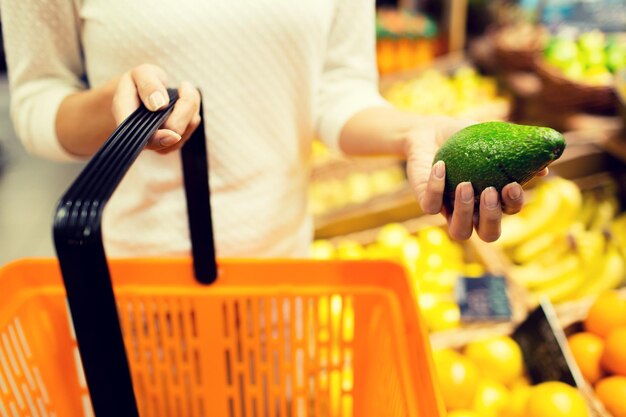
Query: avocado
[[494, 154]]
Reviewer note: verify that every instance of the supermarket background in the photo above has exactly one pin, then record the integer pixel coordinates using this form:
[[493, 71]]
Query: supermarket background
[[557, 63]]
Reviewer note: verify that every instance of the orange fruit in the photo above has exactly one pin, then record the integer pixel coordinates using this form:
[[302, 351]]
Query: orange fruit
[[614, 356], [587, 349], [458, 379], [607, 313], [612, 391], [556, 399]]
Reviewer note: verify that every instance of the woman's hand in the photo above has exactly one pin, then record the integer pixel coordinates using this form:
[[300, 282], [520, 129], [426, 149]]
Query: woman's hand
[[428, 182], [147, 84]]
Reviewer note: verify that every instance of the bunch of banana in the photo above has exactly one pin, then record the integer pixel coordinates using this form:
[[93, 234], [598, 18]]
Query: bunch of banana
[[566, 244], [554, 205]]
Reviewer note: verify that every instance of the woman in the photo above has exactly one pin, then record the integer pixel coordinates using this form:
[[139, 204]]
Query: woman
[[273, 75]]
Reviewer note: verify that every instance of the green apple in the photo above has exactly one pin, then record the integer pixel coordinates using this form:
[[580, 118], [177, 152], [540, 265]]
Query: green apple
[[575, 70], [598, 75], [561, 51], [593, 57], [592, 41], [616, 56]]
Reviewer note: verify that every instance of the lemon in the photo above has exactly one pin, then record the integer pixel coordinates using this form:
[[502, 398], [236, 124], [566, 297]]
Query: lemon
[[457, 377], [516, 407], [555, 399], [498, 357], [491, 398], [322, 249], [392, 235], [442, 315], [474, 269], [349, 249], [433, 237]]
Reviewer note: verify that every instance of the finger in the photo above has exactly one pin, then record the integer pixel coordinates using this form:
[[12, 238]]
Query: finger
[[163, 138], [125, 100], [461, 222], [490, 215], [195, 122], [433, 196], [150, 82], [186, 108], [512, 198], [543, 172]]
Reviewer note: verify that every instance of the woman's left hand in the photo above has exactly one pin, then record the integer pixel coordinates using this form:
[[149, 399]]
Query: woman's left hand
[[428, 183]]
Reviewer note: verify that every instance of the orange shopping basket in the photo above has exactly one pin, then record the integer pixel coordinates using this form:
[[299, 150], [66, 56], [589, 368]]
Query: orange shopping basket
[[187, 337]]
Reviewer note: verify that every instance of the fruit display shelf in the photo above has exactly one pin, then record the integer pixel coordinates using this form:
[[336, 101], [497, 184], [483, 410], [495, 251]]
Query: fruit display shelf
[[493, 374], [569, 240], [588, 324], [578, 72], [488, 377], [567, 93], [353, 194], [405, 40], [455, 88], [436, 265]]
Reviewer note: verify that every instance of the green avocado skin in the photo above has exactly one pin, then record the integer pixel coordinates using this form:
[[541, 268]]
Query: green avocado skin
[[493, 154]]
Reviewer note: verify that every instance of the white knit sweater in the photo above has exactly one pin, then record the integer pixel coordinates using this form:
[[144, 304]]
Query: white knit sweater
[[273, 73]]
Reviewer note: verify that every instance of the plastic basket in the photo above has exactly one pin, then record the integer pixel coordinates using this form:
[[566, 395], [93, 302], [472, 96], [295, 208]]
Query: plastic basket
[[151, 337]]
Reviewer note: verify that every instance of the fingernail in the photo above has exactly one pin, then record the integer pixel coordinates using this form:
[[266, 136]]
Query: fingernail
[[491, 198], [170, 140], [439, 169], [515, 192], [157, 100], [467, 192]]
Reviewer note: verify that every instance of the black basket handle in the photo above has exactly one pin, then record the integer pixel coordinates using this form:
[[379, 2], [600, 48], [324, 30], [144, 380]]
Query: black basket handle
[[78, 242]]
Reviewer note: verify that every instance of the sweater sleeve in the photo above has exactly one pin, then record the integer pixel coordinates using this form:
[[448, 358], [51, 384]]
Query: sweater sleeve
[[44, 66], [349, 81]]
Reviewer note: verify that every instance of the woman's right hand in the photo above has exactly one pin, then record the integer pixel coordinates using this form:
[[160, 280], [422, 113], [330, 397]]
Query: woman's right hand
[[147, 84]]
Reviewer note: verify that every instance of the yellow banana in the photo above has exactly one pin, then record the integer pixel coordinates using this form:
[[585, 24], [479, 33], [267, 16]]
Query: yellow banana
[[589, 244], [536, 275], [563, 290], [531, 249], [588, 209], [560, 247], [611, 273], [604, 213], [556, 204]]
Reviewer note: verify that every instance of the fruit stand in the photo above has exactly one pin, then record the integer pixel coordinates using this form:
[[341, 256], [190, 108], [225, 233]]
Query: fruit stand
[[566, 250], [531, 325]]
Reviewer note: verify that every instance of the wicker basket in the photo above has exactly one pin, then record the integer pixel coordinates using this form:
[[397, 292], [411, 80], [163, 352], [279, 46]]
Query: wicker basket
[[512, 60], [567, 94], [620, 87], [519, 55]]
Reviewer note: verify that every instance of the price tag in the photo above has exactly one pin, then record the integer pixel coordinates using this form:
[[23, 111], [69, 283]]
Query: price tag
[[483, 299]]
